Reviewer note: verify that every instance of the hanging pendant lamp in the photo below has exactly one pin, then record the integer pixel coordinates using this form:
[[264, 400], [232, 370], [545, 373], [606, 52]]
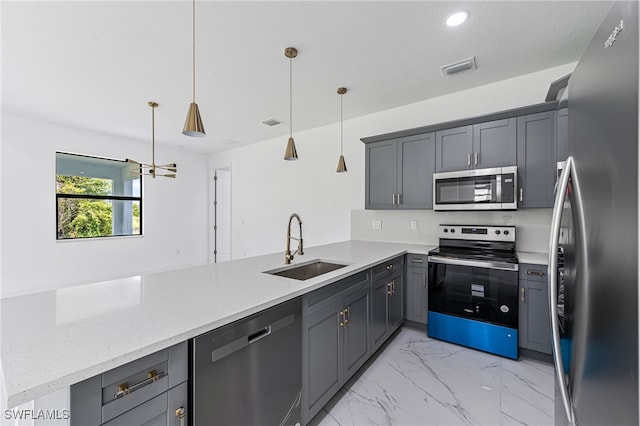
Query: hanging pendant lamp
[[290, 153], [342, 166], [153, 170], [193, 124]]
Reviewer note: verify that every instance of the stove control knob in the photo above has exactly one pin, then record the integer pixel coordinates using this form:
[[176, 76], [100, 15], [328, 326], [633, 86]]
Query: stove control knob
[[506, 232], [453, 230], [497, 232], [446, 230]]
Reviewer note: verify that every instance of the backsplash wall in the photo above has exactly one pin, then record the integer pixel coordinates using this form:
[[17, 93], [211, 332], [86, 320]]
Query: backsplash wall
[[532, 225]]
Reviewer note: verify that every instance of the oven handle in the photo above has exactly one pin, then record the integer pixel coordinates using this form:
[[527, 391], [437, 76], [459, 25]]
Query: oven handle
[[475, 263]]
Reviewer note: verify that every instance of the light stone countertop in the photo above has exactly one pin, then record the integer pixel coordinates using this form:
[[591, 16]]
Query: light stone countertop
[[60, 337], [533, 258]]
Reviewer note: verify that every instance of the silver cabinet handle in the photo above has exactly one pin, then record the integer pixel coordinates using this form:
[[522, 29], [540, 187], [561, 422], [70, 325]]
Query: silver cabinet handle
[[417, 261], [181, 414], [522, 294], [399, 198], [393, 199], [424, 280], [553, 279], [475, 158], [532, 272], [521, 194], [468, 159], [124, 388]]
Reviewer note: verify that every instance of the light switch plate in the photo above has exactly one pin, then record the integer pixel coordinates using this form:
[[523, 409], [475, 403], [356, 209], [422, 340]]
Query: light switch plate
[[414, 224], [376, 224]]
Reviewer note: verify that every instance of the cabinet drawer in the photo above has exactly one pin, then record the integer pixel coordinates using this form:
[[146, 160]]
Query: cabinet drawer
[[533, 272], [417, 261], [105, 397], [387, 268], [319, 299]]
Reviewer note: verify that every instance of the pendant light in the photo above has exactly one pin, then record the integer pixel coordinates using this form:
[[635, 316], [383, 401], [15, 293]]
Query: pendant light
[[193, 124], [342, 166], [140, 169], [290, 153]]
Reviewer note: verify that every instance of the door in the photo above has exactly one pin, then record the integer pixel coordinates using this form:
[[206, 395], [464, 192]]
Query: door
[[494, 144], [357, 343], [416, 295], [381, 175], [222, 215], [454, 148], [379, 313], [322, 355], [416, 164], [536, 159]]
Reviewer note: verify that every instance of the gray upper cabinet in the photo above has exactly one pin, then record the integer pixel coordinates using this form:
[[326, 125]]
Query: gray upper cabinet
[[399, 173], [534, 325], [478, 146], [563, 134], [536, 159], [454, 148]]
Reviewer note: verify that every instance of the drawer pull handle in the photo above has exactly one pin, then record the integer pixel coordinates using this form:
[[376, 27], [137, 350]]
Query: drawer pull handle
[[125, 389], [522, 294], [181, 414], [538, 273], [417, 260]]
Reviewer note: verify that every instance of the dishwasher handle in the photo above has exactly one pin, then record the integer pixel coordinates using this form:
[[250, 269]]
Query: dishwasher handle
[[234, 346], [259, 334]]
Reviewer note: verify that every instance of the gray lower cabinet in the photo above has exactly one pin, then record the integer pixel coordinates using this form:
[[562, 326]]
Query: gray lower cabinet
[[399, 173], [477, 146], [387, 300], [534, 325], [536, 159], [152, 390], [417, 288], [562, 150], [335, 339]]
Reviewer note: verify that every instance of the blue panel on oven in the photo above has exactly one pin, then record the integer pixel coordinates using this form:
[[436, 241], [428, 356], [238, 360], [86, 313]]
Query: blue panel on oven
[[487, 337]]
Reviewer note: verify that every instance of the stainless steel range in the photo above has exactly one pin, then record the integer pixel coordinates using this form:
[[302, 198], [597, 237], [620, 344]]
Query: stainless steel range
[[473, 288]]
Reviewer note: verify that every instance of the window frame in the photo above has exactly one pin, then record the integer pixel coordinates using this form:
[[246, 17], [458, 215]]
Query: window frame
[[96, 197]]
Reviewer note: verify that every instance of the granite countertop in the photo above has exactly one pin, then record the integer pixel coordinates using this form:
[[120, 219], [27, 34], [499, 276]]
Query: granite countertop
[[57, 338]]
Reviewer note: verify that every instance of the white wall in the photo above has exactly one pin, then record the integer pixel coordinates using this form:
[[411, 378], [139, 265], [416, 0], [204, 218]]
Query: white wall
[[174, 211], [266, 189]]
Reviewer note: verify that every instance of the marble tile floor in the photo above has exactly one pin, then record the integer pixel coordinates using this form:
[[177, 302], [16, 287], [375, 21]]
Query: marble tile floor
[[420, 381]]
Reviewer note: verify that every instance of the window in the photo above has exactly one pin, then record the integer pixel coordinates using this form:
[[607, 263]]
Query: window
[[96, 197]]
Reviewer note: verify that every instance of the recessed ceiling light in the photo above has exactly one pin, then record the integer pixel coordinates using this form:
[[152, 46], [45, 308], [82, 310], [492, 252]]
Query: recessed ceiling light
[[457, 18]]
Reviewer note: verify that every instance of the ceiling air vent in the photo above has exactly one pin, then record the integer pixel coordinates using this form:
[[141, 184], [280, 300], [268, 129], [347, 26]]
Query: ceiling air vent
[[271, 122], [457, 67]]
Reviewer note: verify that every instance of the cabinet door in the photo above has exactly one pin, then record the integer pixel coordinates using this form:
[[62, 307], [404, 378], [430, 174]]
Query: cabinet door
[[563, 134], [396, 303], [322, 359], [536, 159], [416, 164], [454, 148], [357, 342], [379, 313], [494, 144], [381, 175], [534, 327], [416, 295]]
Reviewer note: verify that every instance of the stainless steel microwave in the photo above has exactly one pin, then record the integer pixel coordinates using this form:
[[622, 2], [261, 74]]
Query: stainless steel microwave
[[481, 189]]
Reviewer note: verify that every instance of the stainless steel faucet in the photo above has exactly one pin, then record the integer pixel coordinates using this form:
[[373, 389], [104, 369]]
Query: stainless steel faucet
[[288, 256]]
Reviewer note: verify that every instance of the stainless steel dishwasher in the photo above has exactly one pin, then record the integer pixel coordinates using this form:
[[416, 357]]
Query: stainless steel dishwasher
[[250, 372]]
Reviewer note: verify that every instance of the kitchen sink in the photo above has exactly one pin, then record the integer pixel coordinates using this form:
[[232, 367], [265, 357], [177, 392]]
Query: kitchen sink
[[307, 270]]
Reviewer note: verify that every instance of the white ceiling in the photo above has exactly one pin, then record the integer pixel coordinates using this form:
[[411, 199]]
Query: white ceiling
[[95, 65]]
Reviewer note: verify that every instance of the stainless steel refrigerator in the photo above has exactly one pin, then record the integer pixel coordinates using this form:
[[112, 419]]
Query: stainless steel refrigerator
[[593, 255]]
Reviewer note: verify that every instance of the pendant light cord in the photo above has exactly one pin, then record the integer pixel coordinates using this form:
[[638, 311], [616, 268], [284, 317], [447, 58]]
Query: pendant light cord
[[153, 137], [341, 124], [290, 97], [194, 50]]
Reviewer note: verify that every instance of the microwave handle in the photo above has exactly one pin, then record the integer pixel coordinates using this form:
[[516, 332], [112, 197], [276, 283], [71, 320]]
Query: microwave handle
[[499, 188]]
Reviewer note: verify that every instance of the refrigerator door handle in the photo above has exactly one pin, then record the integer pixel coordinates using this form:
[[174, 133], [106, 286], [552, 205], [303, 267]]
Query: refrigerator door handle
[[553, 287]]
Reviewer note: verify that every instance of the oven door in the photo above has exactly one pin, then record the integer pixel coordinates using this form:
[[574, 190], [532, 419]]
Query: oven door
[[462, 289]]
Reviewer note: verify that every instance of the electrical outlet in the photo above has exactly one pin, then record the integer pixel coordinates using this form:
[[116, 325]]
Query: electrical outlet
[[376, 224], [414, 224]]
